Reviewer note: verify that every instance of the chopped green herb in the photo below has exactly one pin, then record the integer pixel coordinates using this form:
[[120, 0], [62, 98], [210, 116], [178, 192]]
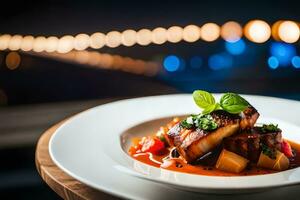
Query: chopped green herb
[[206, 122], [270, 128], [186, 125], [271, 153]]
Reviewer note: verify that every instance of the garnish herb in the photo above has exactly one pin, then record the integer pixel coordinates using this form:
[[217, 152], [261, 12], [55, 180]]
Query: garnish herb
[[233, 103], [186, 125], [270, 128], [271, 153], [230, 102], [204, 122]]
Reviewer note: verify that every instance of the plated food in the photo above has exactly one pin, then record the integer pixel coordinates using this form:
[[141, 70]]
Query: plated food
[[223, 140]]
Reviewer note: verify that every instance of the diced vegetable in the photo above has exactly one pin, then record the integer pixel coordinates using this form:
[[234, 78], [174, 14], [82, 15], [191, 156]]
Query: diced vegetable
[[152, 145], [286, 149], [265, 161], [281, 162], [231, 162]]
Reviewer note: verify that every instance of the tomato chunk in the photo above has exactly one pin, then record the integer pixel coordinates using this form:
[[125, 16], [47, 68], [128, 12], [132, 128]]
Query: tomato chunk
[[286, 149], [152, 145]]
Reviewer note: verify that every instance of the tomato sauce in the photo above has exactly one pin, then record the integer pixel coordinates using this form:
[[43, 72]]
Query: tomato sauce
[[176, 164]]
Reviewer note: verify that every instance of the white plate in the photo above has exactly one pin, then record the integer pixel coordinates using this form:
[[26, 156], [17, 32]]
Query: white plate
[[88, 148]]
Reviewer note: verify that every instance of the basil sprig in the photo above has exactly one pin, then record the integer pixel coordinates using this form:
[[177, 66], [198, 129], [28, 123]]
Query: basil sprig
[[233, 103], [230, 102]]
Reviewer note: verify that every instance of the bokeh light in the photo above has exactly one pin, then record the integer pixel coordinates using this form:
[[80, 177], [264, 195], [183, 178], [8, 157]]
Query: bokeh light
[[191, 33], [65, 44], [174, 34], [296, 62], [196, 62], [273, 62], [274, 30], [288, 31], [113, 39], [97, 40], [171, 63], [51, 44], [144, 37], [4, 41], [159, 35], [129, 38], [39, 44], [235, 48], [257, 31], [15, 42], [210, 32], [27, 43], [283, 52], [231, 31], [13, 60], [82, 41], [220, 61]]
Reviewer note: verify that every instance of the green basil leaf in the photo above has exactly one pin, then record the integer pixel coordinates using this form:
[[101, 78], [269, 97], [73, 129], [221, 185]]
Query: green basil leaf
[[203, 99], [233, 103], [210, 108]]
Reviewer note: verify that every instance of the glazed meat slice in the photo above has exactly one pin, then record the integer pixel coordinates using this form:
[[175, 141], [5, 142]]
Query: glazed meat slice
[[193, 143], [248, 144]]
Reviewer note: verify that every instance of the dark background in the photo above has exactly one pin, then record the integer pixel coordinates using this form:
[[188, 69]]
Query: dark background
[[41, 85]]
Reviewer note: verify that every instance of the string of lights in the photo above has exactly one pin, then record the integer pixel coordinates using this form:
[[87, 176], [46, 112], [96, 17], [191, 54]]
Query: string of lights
[[257, 31]]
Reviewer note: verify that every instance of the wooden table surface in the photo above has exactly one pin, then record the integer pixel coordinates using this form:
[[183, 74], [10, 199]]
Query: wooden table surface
[[64, 185]]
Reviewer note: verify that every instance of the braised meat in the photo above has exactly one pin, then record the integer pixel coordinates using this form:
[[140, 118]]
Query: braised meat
[[193, 143], [249, 143]]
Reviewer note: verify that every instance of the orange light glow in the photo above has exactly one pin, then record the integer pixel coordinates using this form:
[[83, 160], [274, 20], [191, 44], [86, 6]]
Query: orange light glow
[[13, 60], [144, 37], [51, 44], [174, 34], [231, 31], [4, 41], [210, 32], [97, 40], [82, 41], [257, 31], [288, 31], [39, 44], [129, 38], [27, 43], [159, 35], [191, 33], [274, 30], [113, 39], [65, 44], [15, 42]]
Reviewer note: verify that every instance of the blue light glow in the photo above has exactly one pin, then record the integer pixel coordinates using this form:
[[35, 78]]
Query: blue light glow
[[235, 48], [171, 63], [283, 52], [273, 62], [196, 62], [220, 61], [296, 61]]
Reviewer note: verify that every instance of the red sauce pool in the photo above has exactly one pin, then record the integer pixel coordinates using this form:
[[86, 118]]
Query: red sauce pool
[[178, 165]]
